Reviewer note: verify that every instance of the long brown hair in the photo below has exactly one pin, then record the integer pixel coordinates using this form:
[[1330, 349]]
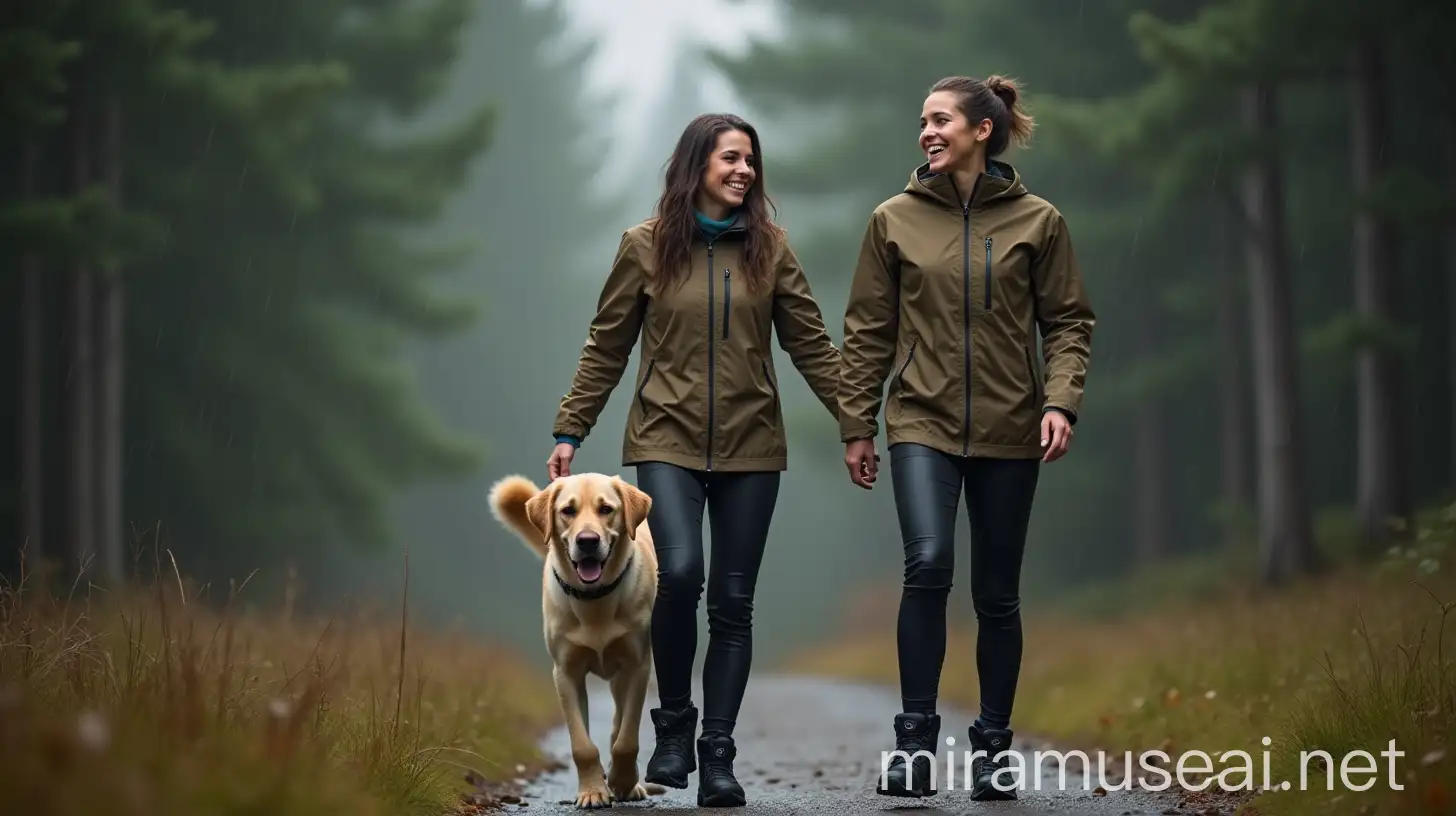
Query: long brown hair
[[676, 227], [997, 98]]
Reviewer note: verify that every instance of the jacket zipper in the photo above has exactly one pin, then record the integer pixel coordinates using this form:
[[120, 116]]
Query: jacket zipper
[[966, 319], [988, 273], [727, 294], [711, 356]]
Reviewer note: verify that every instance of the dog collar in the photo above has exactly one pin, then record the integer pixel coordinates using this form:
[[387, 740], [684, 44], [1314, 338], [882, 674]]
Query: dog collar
[[596, 592]]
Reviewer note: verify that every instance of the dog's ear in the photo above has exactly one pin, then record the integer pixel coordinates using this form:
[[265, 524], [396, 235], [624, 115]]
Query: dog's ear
[[541, 510], [636, 504]]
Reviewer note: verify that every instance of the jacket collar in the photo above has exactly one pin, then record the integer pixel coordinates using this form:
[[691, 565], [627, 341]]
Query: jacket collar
[[1000, 181]]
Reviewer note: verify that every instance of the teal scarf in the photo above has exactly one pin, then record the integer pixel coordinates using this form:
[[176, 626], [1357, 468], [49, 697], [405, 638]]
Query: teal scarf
[[712, 229]]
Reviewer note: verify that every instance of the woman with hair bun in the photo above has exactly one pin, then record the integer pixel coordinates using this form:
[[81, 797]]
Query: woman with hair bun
[[955, 276]]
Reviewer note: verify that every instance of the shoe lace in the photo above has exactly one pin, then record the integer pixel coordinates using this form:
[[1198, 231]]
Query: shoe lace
[[910, 743], [675, 742], [987, 766], [718, 769]]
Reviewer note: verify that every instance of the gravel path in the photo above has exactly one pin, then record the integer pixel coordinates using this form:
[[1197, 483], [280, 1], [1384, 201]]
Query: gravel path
[[808, 746]]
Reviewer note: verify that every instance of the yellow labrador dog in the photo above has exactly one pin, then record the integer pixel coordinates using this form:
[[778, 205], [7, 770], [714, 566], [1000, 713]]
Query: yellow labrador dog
[[598, 587]]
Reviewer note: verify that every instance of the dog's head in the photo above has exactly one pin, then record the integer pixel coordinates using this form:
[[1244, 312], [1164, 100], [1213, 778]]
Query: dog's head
[[586, 518]]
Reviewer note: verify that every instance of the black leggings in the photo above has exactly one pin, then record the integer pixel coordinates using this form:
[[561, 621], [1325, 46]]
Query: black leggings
[[999, 495], [741, 507]]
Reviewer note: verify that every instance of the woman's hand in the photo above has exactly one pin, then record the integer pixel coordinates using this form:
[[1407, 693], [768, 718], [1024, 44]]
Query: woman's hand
[[560, 462], [1056, 435], [862, 461]]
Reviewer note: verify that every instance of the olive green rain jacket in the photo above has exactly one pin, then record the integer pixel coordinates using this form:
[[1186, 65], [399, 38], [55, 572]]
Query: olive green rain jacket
[[707, 394], [945, 304]]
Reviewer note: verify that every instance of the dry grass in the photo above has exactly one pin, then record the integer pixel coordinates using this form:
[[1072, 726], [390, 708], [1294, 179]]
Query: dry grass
[[1349, 661], [153, 703]]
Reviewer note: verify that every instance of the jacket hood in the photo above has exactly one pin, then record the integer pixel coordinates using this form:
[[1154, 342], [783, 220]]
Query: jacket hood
[[999, 182]]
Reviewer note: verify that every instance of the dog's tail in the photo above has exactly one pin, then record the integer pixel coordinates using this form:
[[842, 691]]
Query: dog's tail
[[508, 499], [654, 789]]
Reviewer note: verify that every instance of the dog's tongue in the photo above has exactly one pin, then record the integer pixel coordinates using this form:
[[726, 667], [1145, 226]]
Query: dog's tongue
[[589, 569]]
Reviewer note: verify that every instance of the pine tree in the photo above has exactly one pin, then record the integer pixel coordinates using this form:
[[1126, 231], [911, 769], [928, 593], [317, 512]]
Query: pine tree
[[541, 229], [77, 67], [229, 178], [270, 352]]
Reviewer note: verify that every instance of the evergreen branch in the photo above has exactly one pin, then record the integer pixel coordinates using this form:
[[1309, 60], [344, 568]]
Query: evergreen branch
[[32, 62]]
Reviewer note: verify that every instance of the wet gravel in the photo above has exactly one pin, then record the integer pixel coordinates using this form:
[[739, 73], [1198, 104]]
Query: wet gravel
[[808, 745]]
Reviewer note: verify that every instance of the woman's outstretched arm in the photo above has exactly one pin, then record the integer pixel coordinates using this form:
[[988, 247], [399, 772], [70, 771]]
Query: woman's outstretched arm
[[609, 344], [870, 328], [800, 326], [1065, 317]]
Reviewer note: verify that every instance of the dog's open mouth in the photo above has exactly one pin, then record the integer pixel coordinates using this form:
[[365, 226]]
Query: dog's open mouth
[[588, 569]]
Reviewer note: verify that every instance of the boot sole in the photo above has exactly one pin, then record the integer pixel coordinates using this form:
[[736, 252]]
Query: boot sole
[[903, 793], [991, 794], [679, 782], [898, 790], [729, 800]]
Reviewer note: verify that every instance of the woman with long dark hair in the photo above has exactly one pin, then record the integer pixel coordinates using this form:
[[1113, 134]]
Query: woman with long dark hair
[[705, 282], [955, 276]]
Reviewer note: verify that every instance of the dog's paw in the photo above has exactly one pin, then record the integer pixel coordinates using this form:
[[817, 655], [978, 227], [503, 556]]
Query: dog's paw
[[636, 793], [594, 797]]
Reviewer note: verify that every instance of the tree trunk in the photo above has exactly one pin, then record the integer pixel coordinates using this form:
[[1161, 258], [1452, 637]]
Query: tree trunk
[[1380, 471], [110, 362], [1150, 460], [1451, 286], [80, 510], [32, 474], [1286, 537], [1233, 388]]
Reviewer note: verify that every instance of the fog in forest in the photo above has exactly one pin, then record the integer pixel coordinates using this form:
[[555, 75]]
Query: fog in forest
[[356, 284]]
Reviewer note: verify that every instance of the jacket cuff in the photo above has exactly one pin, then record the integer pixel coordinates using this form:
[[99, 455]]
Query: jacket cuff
[[854, 434], [1066, 412], [573, 441]]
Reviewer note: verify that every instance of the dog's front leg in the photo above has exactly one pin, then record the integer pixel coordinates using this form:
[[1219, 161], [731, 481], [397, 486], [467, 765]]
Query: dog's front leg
[[571, 691], [629, 690]]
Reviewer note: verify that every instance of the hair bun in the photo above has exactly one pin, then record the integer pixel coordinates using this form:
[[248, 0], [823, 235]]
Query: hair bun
[[1005, 88]]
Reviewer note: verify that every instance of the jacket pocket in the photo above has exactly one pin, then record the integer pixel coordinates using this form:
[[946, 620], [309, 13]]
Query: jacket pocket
[[768, 377], [1036, 383], [727, 301], [988, 273], [651, 364], [909, 356]]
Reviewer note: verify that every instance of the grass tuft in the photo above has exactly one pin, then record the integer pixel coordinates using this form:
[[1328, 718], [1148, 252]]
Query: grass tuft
[[150, 701]]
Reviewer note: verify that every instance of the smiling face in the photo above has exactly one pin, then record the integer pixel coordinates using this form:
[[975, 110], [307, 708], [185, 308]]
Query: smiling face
[[732, 169], [586, 518], [588, 513], [948, 140]]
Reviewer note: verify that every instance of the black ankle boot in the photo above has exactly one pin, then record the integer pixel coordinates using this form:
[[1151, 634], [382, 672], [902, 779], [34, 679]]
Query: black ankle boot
[[672, 759], [984, 787], [717, 786], [914, 732]]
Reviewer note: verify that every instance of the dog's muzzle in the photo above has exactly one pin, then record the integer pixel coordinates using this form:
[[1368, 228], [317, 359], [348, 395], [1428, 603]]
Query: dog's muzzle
[[590, 554]]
